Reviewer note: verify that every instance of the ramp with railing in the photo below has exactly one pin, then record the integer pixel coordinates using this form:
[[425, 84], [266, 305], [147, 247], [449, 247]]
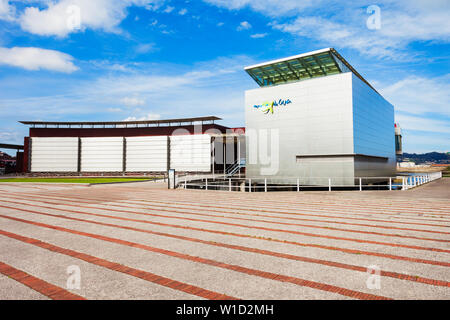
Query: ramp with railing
[[235, 167], [227, 182]]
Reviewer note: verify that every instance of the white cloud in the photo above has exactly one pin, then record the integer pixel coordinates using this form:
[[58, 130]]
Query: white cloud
[[418, 95], [218, 83], [66, 16], [220, 24], [258, 35], [148, 116], [169, 9], [336, 34], [422, 142], [115, 66], [114, 110], [413, 27], [140, 85], [409, 122], [182, 12], [133, 101], [269, 7], [212, 87], [7, 11], [343, 24], [412, 20], [145, 48], [11, 135], [31, 58], [244, 25], [422, 110]]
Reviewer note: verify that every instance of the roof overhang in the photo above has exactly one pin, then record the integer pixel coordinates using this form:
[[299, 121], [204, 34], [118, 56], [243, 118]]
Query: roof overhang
[[11, 146], [137, 123], [287, 58], [310, 65]]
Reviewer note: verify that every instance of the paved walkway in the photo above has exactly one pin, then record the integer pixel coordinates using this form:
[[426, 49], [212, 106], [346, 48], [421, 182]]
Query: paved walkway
[[142, 241]]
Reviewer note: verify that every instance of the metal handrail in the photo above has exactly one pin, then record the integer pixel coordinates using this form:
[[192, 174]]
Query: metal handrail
[[235, 167]]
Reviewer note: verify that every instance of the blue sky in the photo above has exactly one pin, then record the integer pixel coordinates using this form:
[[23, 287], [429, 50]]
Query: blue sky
[[98, 60]]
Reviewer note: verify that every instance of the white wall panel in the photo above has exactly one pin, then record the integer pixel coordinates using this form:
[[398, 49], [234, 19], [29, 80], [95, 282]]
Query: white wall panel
[[54, 154], [318, 121], [146, 153], [190, 152], [102, 154]]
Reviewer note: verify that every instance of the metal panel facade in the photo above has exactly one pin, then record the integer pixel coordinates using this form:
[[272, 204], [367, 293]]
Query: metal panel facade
[[146, 153], [190, 152], [373, 131], [319, 128], [54, 154], [102, 154], [317, 121]]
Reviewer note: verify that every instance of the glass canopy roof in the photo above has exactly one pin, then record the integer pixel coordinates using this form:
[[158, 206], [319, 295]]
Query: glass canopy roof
[[302, 67]]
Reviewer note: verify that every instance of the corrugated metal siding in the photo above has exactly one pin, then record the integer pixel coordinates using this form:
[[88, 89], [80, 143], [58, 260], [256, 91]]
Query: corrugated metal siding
[[190, 153], [146, 154], [54, 154], [102, 154]]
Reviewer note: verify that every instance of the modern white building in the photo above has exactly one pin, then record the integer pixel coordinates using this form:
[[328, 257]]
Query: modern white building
[[194, 145], [315, 117]]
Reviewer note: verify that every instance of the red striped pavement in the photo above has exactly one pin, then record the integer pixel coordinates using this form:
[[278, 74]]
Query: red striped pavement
[[395, 257], [47, 289], [214, 263], [151, 277]]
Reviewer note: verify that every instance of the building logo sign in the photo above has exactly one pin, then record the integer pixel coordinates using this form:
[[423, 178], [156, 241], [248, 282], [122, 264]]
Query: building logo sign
[[268, 107]]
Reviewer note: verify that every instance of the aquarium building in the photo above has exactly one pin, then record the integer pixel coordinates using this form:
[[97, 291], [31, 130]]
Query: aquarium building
[[314, 116]]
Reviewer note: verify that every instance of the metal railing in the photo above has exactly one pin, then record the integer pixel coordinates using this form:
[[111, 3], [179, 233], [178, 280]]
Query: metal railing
[[226, 183], [235, 167], [419, 179]]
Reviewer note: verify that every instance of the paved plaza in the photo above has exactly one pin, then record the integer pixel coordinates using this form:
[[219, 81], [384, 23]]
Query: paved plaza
[[142, 241]]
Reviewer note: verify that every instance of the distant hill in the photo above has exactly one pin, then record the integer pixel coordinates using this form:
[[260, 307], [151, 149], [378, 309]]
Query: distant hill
[[436, 157]]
